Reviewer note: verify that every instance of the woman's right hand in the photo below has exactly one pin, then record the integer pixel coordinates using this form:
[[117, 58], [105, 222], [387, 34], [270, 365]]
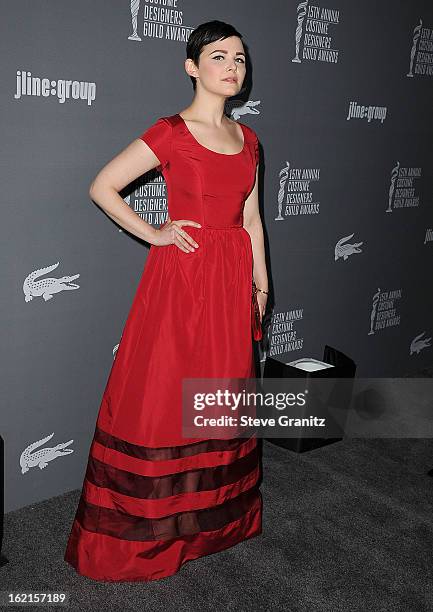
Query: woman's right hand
[[172, 233]]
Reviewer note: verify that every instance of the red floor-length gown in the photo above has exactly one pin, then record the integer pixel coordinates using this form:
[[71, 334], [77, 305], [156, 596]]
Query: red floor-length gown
[[151, 499]]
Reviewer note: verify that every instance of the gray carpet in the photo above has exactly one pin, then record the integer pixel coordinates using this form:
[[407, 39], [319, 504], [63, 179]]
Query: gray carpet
[[347, 527]]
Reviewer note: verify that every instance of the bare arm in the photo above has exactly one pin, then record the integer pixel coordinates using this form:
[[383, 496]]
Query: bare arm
[[253, 225], [135, 160]]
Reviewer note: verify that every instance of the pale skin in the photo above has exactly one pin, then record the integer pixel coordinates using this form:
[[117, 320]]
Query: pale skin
[[207, 122]]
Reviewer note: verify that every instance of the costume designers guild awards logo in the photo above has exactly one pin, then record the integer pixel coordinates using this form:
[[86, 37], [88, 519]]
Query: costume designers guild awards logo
[[283, 335], [313, 35], [160, 19], [403, 188], [149, 201], [421, 52], [383, 310], [295, 193]]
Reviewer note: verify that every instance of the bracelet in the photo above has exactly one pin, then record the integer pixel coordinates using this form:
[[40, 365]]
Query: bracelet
[[267, 292]]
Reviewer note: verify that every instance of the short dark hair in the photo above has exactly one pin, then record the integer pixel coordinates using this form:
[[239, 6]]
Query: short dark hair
[[204, 34]]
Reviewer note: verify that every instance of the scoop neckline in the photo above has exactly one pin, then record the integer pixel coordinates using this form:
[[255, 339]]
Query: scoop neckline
[[210, 150]]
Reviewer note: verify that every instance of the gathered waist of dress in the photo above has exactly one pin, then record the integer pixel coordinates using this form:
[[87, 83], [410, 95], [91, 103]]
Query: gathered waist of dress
[[222, 227], [217, 227]]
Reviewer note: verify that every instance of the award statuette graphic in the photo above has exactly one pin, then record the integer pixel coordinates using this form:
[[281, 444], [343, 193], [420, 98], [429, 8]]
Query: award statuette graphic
[[284, 173], [373, 311], [416, 35], [302, 11], [135, 6], [394, 175]]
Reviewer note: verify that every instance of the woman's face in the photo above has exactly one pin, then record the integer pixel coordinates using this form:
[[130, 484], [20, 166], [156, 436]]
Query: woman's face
[[222, 66]]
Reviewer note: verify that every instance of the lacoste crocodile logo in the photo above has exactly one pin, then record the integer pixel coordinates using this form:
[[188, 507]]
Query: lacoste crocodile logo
[[47, 286], [419, 343], [244, 109], [43, 455], [344, 250]]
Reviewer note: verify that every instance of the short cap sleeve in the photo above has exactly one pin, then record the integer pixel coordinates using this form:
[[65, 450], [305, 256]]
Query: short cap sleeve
[[254, 143], [159, 137]]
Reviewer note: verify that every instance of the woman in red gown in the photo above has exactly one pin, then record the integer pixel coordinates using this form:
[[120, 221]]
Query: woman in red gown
[[152, 499]]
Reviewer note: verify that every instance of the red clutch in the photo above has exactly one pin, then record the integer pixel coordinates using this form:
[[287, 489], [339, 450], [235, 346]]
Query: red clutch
[[256, 326]]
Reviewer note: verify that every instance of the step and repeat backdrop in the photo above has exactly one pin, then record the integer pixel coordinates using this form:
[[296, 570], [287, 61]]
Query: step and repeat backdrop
[[340, 95]]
